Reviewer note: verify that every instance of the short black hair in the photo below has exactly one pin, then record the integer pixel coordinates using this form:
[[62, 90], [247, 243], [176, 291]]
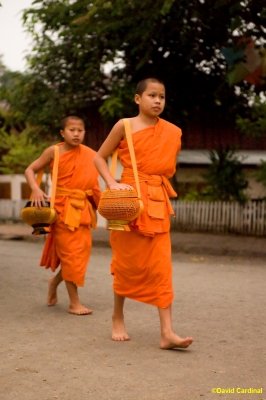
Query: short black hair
[[68, 118], [142, 85]]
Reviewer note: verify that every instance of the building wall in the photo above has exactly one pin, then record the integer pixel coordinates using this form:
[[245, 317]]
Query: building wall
[[204, 130], [209, 130], [15, 187]]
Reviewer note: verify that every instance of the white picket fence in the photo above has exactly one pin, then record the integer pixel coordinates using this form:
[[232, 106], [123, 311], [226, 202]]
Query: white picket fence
[[193, 216], [220, 217]]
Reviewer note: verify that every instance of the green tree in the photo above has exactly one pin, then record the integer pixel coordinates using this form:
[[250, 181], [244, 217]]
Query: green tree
[[30, 101], [19, 152], [176, 40], [20, 140]]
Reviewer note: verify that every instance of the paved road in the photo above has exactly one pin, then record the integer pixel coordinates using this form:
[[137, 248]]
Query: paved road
[[49, 354], [191, 243]]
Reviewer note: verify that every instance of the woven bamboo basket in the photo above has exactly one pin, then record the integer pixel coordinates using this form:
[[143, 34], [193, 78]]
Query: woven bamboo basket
[[120, 207]]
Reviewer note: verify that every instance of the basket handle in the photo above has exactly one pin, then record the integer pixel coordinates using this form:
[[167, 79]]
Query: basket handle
[[132, 156], [54, 178], [113, 162]]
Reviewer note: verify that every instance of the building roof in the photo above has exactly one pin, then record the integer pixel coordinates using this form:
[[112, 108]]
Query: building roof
[[247, 157]]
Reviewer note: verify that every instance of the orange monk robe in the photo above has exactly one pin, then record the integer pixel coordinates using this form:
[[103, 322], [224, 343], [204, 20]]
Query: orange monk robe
[[69, 242], [141, 262]]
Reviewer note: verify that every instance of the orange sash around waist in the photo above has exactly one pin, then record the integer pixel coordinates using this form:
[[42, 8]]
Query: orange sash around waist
[[75, 203], [159, 191]]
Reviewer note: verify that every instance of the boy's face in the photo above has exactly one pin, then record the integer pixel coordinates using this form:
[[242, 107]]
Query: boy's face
[[73, 133], [152, 100]]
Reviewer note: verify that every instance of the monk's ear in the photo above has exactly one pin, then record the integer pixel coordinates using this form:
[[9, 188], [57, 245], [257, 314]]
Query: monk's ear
[[137, 98], [62, 133]]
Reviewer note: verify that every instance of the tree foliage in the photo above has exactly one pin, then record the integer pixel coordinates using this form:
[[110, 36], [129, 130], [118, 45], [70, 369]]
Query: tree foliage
[[253, 122], [19, 144], [260, 175], [20, 141], [18, 152], [178, 41], [29, 101], [225, 177]]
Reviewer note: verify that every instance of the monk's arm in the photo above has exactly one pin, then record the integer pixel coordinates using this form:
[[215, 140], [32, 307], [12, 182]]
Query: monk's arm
[[107, 148], [38, 196]]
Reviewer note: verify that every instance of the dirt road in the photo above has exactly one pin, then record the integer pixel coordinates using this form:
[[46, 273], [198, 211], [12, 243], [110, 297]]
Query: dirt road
[[49, 354]]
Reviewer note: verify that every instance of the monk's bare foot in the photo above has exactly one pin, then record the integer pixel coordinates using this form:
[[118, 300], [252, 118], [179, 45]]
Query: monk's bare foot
[[119, 333], [79, 309], [171, 341], [52, 293]]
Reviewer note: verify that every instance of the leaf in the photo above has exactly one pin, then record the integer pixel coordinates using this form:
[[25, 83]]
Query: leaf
[[166, 7]]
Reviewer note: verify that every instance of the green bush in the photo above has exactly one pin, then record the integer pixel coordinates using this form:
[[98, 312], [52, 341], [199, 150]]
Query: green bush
[[225, 177], [260, 175], [18, 151], [224, 180]]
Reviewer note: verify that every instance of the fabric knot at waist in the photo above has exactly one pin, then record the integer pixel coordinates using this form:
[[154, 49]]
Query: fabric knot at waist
[[159, 191], [75, 203]]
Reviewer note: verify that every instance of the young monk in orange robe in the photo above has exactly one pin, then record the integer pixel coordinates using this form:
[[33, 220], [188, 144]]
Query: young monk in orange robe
[[77, 197], [141, 262]]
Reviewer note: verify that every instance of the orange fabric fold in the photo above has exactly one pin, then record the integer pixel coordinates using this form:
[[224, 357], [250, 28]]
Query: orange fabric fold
[[69, 242], [75, 203], [159, 191], [141, 262]]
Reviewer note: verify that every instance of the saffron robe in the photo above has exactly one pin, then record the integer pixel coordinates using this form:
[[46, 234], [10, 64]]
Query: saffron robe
[[141, 262], [77, 196]]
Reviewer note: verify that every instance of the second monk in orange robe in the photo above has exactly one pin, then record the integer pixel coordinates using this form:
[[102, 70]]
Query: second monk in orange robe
[[77, 197], [141, 262]]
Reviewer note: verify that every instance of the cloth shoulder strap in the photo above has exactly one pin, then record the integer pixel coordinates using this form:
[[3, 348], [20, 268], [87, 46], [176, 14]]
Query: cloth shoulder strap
[[132, 156], [54, 177]]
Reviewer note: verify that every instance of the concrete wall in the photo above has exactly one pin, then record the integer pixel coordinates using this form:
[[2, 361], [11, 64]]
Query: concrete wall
[[15, 182]]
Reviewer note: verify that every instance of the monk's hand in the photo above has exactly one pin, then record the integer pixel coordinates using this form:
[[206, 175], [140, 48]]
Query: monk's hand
[[120, 186], [38, 198]]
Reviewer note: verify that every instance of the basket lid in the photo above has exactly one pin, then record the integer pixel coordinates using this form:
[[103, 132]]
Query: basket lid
[[114, 194]]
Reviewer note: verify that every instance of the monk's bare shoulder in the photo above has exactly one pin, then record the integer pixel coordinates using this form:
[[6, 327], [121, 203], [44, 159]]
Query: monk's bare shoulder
[[47, 155], [43, 161], [49, 152], [119, 128]]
